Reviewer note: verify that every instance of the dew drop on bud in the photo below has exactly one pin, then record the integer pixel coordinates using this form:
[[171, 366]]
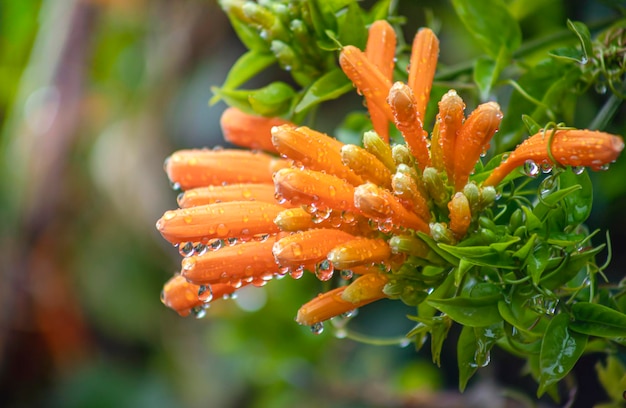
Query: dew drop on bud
[[578, 170], [200, 249], [297, 273], [317, 328], [186, 249], [347, 274], [324, 270], [205, 293], [531, 169], [350, 313], [198, 312]]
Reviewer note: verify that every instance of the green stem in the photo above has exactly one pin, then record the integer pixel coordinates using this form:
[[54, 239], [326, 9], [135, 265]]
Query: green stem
[[375, 341], [606, 114]]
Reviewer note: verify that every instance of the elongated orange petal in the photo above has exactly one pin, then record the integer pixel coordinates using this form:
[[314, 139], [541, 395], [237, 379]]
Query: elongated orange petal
[[358, 252], [251, 131], [366, 77], [308, 247], [314, 150], [460, 216], [409, 122], [230, 192], [182, 296], [366, 165], [315, 188], [449, 122], [199, 167], [298, 219], [366, 288], [405, 188], [422, 66], [384, 207], [473, 139], [231, 264], [220, 220], [332, 303], [381, 49], [569, 148]]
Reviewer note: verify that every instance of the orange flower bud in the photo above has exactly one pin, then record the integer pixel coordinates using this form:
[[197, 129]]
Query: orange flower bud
[[460, 216], [409, 122], [405, 188], [298, 219], [366, 288], [473, 139], [314, 150], [358, 252], [366, 165], [230, 192], [366, 77], [314, 188], [422, 66], [201, 167], [249, 261], [381, 49], [384, 207], [569, 148], [308, 247], [251, 131], [182, 296], [220, 220], [449, 122]]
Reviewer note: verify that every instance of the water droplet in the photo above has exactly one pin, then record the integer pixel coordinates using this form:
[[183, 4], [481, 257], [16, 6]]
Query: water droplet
[[350, 314], [321, 215], [324, 270], [317, 328], [215, 244], [346, 274], [200, 249], [600, 88], [531, 169], [258, 282], [176, 187], [341, 333], [231, 241], [198, 312], [348, 217], [578, 170], [188, 264], [546, 168], [169, 215], [385, 226], [297, 273], [186, 249], [296, 249], [222, 230], [205, 293]]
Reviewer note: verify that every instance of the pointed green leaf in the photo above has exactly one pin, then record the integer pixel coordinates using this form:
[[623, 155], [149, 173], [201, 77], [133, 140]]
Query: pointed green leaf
[[352, 28], [582, 32], [329, 86], [439, 331], [598, 320], [474, 312], [245, 68], [560, 350], [466, 356]]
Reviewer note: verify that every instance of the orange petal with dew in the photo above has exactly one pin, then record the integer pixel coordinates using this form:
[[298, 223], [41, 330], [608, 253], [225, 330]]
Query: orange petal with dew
[[381, 50], [366, 76], [422, 66], [460, 215], [332, 303], [358, 252], [409, 122], [569, 148], [220, 220], [406, 189], [473, 139], [182, 296], [199, 167], [314, 150], [366, 288], [314, 188], [383, 206], [298, 219], [449, 122], [366, 165], [308, 247], [248, 261], [251, 131], [231, 192]]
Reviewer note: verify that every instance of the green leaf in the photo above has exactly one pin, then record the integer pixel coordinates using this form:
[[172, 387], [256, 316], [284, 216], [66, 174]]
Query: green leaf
[[537, 262], [577, 206], [248, 35], [481, 256], [439, 331], [470, 311], [560, 350], [568, 54], [582, 32], [550, 201], [568, 268], [531, 125], [466, 356], [487, 71], [490, 23], [272, 100], [329, 86], [352, 28], [612, 376], [246, 67], [598, 320]]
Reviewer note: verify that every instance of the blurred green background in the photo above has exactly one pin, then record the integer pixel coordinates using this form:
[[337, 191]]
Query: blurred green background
[[93, 96]]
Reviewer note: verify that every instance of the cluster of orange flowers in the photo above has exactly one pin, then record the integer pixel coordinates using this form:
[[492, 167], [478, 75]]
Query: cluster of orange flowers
[[311, 203]]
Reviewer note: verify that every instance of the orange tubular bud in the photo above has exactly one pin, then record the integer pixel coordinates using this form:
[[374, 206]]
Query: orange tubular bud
[[460, 216], [358, 252], [568, 147], [409, 122], [422, 66], [220, 220], [405, 188], [384, 207], [367, 288], [314, 150], [473, 139], [366, 165], [297, 219], [231, 192], [250, 261], [449, 122], [199, 168], [182, 296], [332, 303], [308, 247], [251, 131], [381, 50], [366, 77], [314, 188]]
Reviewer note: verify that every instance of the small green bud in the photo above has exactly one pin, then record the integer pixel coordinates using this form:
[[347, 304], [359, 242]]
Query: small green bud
[[377, 146], [472, 193], [440, 233], [402, 155], [516, 220], [436, 187], [488, 196]]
